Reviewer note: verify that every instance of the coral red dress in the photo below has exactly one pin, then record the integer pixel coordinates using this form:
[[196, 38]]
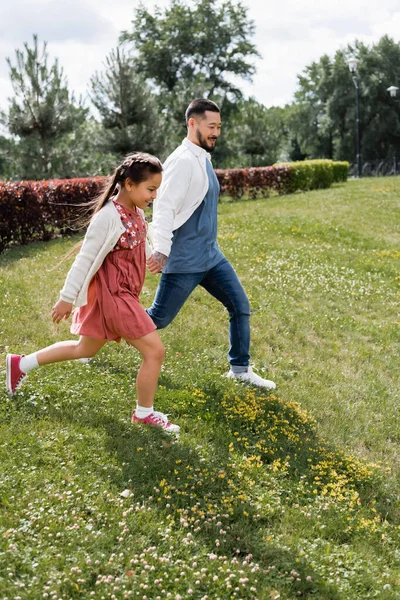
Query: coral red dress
[[113, 310]]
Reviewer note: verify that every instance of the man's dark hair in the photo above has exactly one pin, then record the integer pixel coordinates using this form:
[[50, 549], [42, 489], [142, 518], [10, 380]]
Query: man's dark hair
[[199, 106]]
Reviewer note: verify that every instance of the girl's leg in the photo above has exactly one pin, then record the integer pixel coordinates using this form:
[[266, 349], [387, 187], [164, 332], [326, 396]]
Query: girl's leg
[[85, 347], [151, 348], [18, 366]]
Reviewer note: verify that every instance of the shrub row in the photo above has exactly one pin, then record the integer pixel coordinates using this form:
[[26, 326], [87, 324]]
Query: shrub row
[[36, 210], [254, 181], [283, 178], [340, 171]]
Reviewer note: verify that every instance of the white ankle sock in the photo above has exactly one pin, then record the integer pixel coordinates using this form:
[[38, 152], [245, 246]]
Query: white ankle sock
[[28, 363], [142, 411]]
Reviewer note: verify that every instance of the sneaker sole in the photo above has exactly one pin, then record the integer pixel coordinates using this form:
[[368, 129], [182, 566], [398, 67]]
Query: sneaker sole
[[262, 387], [236, 378], [177, 430], [259, 387], [8, 375]]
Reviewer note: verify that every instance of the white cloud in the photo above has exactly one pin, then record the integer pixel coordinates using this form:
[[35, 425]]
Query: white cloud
[[292, 34], [289, 36], [52, 20]]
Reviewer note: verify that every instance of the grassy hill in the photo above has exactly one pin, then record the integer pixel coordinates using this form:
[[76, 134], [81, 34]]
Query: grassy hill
[[262, 497]]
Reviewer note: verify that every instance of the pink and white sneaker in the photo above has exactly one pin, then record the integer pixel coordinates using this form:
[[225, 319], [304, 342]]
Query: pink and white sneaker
[[14, 375], [157, 419]]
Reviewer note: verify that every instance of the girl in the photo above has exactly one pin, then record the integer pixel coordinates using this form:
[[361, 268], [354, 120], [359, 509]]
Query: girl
[[104, 284]]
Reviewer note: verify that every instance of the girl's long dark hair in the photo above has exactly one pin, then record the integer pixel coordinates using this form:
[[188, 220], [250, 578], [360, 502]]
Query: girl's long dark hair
[[137, 167]]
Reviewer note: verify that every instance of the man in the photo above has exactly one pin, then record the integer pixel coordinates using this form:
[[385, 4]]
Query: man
[[185, 234]]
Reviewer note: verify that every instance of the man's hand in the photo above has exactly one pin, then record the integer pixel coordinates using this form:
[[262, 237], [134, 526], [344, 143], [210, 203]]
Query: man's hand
[[156, 262], [61, 310]]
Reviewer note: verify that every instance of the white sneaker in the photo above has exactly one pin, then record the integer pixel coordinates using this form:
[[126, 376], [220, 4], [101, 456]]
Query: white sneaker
[[84, 361], [250, 377]]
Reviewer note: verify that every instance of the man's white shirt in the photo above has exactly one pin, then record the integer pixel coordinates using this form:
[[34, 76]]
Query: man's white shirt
[[183, 188]]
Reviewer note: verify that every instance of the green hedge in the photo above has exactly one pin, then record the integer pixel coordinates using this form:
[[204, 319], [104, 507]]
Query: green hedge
[[340, 171], [282, 178], [314, 174]]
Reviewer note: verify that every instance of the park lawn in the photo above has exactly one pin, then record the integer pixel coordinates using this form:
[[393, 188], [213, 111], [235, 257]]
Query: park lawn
[[286, 495]]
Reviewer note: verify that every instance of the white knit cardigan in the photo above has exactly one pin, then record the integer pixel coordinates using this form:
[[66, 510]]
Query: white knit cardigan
[[101, 236]]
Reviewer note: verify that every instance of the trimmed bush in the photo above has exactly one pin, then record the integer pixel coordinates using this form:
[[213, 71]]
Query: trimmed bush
[[340, 171], [36, 210], [59, 199], [283, 178], [21, 218], [310, 175], [251, 182]]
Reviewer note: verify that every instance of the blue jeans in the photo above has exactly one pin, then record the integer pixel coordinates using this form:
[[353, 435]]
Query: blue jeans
[[221, 282]]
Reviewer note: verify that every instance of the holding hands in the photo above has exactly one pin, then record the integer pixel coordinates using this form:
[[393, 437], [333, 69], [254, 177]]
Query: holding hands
[[156, 262]]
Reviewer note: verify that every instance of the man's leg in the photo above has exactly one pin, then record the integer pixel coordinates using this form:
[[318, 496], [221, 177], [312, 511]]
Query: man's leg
[[223, 283], [172, 292]]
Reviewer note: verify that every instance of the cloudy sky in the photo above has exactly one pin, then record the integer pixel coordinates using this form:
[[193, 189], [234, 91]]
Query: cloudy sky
[[289, 35]]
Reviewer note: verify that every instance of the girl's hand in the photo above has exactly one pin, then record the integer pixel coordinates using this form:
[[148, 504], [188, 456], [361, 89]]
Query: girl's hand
[[61, 310], [156, 262]]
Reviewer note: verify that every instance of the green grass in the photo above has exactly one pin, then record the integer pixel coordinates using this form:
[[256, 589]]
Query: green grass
[[262, 496]]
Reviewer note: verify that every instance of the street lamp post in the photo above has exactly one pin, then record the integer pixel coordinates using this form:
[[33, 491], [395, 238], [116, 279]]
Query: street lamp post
[[393, 92], [352, 64]]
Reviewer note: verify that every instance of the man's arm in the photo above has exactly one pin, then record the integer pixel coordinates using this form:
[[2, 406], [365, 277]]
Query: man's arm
[[171, 195]]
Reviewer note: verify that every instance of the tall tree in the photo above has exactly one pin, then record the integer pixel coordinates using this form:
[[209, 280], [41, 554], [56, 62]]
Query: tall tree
[[207, 39], [379, 68], [42, 109], [83, 151], [8, 153], [255, 135], [310, 118], [322, 120], [127, 106]]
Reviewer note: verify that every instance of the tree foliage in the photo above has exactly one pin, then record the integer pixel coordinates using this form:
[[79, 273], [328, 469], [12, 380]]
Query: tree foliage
[[209, 40], [323, 117], [42, 110], [128, 108], [8, 156], [171, 55], [255, 135]]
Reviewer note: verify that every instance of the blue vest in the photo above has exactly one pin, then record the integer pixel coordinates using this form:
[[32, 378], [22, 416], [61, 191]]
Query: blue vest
[[194, 244]]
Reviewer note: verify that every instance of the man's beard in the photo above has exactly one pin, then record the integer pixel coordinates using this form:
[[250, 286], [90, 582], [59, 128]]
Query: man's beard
[[203, 142]]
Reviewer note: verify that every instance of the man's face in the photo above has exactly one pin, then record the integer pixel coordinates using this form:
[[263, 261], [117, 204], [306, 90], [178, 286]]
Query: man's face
[[207, 129]]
